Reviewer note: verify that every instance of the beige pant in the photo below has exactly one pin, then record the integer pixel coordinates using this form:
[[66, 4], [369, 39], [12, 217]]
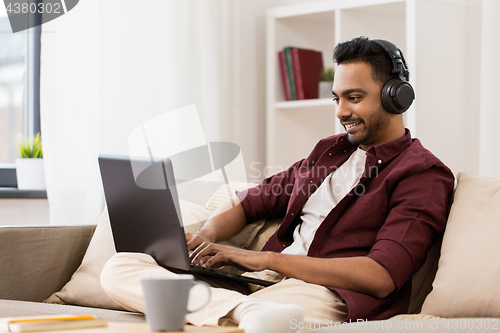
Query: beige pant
[[120, 279]]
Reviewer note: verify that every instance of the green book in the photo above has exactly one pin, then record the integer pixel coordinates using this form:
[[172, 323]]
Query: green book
[[289, 68]]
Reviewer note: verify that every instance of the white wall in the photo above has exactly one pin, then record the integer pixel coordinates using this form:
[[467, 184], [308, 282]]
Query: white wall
[[490, 85], [252, 107], [24, 212], [139, 70], [447, 81]]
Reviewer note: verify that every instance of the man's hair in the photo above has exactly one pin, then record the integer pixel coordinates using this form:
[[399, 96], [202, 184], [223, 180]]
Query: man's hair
[[362, 49]]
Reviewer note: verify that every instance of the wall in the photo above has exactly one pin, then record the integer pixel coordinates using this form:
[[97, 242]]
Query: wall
[[24, 212], [141, 69], [252, 108], [449, 86]]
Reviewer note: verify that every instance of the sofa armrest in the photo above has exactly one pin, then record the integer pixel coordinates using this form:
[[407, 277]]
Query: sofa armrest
[[38, 261]]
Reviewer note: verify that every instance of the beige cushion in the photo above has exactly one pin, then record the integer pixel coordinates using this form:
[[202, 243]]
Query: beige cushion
[[467, 280], [223, 195], [84, 287]]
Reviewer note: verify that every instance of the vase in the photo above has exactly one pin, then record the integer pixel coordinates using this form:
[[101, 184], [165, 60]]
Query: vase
[[30, 174], [325, 89]]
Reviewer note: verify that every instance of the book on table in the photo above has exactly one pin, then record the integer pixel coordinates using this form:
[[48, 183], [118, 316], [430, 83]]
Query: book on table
[[49, 323]]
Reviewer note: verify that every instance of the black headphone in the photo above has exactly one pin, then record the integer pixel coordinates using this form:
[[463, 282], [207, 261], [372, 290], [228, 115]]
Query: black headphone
[[397, 93]]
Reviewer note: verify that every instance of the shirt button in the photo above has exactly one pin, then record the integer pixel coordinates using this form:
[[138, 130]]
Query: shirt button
[[379, 161], [291, 214], [345, 151], [330, 154], [284, 245]]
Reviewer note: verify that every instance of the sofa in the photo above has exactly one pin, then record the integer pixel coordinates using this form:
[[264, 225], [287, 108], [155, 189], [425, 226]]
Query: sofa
[[55, 269]]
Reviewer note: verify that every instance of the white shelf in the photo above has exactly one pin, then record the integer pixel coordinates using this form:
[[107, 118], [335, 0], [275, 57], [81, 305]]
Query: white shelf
[[304, 103]]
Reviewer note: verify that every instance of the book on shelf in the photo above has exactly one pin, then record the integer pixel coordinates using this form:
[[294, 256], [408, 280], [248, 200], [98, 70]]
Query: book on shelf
[[49, 323], [289, 66], [307, 66], [300, 72], [284, 75]]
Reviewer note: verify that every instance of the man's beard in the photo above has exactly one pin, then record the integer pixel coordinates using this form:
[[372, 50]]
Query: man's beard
[[378, 123]]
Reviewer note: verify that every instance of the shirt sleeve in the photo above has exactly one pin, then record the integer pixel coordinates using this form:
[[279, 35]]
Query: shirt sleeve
[[418, 210]]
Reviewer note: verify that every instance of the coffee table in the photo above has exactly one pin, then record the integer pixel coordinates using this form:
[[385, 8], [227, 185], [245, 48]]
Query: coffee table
[[143, 328]]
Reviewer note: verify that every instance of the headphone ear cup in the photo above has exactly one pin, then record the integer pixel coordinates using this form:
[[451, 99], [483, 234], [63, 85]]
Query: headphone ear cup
[[397, 96]]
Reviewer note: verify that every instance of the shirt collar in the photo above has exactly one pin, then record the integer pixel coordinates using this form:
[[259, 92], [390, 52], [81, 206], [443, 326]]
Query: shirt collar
[[385, 151], [388, 150]]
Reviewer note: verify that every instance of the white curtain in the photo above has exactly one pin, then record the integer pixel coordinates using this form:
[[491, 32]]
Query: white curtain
[[489, 153], [70, 107], [109, 66]]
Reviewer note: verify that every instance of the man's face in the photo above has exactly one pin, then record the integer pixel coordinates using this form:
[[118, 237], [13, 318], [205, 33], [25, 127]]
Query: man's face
[[360, 110]]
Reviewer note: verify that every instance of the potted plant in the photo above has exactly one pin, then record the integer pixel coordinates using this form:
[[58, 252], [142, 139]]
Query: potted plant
[[29, 168], [326, 83]]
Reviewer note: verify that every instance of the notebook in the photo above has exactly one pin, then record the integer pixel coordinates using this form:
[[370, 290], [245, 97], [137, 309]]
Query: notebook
[[145, 216]]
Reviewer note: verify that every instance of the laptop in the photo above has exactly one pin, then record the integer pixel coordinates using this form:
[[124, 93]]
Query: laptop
[[145, 217]]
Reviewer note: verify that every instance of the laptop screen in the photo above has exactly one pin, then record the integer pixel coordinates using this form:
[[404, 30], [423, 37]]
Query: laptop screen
[[144, 212]]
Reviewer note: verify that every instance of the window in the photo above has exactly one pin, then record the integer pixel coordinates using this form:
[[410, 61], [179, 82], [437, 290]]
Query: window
[[19, 92]]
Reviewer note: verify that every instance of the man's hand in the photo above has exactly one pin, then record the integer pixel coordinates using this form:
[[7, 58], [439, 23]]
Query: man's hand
[[216, 255], [198, 238], [224, 223]]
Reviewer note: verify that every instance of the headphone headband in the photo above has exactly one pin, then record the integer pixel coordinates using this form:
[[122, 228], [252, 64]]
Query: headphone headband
[[395, 55]]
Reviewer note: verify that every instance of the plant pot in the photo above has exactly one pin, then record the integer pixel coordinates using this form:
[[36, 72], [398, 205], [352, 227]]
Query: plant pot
[[30, 174], [325, 89]]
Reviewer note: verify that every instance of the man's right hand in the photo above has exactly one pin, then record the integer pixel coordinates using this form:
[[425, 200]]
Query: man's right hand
[[196, 239], [224, 223]]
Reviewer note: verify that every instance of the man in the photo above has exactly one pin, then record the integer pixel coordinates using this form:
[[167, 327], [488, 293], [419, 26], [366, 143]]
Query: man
[[359, 214]]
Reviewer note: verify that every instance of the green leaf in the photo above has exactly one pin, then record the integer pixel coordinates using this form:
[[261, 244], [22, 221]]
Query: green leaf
[[33, 149], [327, 74]]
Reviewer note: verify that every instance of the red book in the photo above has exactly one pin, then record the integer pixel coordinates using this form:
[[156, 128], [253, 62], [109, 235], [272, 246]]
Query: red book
[[307, 66], [284, 76]]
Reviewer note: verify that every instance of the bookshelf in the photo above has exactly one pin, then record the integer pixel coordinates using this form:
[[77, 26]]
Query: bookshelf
[[415, 26]]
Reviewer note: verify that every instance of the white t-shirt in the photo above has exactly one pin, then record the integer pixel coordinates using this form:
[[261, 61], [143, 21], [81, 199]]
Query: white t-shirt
[[333, 188]]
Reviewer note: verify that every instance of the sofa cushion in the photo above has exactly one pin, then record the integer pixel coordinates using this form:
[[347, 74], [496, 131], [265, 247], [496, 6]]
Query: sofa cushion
[[225, 193], [222, 196], [466, 283], [84, 288]]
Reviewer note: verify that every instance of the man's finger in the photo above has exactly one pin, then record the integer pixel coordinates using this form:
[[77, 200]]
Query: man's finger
[[200, 252], [194, 242]]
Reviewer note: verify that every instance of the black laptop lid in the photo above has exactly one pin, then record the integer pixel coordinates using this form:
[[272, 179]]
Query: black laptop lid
[[144, 210]]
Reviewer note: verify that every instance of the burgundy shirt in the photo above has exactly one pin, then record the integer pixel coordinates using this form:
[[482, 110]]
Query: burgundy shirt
[[399, 207]]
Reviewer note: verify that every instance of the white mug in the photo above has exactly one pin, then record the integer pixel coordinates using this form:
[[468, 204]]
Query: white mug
[[166, 301]]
